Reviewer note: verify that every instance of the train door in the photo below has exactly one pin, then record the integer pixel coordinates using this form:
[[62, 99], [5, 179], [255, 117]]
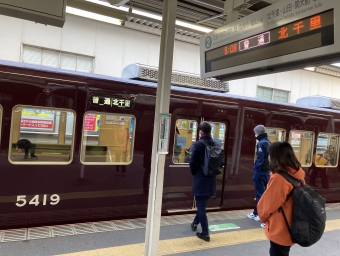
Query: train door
[[219, 131], [178, 178]]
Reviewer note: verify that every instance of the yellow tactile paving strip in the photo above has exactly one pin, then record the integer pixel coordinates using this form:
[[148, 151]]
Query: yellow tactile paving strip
[[188, 244]]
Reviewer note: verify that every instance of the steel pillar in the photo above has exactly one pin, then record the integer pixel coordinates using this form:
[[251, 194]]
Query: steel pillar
[[232, 14], [162, 106]]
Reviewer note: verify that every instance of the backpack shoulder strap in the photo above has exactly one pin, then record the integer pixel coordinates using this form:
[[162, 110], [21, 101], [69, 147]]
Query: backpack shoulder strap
[[290, 179], [205, 143]]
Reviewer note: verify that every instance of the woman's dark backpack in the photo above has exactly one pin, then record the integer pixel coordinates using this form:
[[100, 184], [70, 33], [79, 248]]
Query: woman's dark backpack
[[309, 213]]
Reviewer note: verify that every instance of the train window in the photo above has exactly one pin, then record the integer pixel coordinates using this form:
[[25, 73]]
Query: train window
[[302, 143], [185, 136], [327, 150], [274, 135], [107, 139], [41, 135]]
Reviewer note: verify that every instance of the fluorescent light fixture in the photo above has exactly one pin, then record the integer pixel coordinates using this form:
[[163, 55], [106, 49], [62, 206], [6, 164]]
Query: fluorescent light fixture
[[93, 16], [336, 64], [154, 16], [310, 68]]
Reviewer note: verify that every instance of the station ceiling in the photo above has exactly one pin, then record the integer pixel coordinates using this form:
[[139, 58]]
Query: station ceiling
[[208, 13]]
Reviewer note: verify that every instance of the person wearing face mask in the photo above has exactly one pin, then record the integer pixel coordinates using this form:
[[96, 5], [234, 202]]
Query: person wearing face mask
[[261, 168]]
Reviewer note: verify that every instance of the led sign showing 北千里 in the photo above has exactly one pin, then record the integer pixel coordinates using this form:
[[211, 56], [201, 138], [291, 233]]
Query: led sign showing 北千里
[[308, 33]]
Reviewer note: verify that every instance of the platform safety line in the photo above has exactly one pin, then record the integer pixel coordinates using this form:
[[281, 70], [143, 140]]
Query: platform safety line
[[189, 244]]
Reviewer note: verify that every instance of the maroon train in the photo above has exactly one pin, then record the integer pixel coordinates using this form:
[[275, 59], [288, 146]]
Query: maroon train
[[35, 193]]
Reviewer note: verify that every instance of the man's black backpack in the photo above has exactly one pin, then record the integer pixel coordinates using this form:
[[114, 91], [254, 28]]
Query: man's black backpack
[[309, 213], [214, 159]]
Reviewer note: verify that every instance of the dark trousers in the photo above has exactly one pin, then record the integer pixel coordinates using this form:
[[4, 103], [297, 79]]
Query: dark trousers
[[278, 250], [28, 147], [201, 215], [260, 182]]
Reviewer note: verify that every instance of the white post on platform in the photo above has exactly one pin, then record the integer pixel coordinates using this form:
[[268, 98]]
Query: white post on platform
[[162, 106]]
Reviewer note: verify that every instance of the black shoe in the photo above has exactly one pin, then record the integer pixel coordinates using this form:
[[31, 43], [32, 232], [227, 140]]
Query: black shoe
[[25, 157], [193, 227], [203, 237], [34, 157]]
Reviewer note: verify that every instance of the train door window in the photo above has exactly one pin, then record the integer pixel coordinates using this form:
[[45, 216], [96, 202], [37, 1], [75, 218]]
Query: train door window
[[185, 136], [218, 132], [327, 150], [302, 143], [108, 139], [41, 135], [274, 135]]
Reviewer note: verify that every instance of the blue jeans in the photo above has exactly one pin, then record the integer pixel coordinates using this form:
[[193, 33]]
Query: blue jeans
[[261, 182], [201, 215]]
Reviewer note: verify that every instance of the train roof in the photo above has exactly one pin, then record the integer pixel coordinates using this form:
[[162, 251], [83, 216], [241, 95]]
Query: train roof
[[154, 85]]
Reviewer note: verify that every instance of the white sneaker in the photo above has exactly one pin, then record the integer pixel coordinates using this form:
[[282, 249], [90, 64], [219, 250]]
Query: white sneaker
[[263, 225], [253, 216]]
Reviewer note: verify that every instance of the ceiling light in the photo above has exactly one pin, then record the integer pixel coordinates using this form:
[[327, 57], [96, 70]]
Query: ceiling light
[[310, 68], [92, 16], [336, 64], [154, 16]]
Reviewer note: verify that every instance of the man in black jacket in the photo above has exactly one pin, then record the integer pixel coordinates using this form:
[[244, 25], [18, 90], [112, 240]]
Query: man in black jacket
[[203, 187]]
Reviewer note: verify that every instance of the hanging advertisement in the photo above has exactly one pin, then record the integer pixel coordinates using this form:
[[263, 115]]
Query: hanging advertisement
[[37, 119]]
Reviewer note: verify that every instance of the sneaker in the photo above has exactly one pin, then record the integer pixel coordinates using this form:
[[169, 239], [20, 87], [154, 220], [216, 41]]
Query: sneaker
[[263, 225], [203, 237], [193, 227], [253, 216]]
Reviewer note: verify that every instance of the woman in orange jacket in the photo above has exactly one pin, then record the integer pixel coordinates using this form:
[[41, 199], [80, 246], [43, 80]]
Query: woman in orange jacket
[[283, 159]]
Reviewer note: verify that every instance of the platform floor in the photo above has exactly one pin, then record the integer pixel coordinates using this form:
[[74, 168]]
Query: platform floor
[[127, 237]]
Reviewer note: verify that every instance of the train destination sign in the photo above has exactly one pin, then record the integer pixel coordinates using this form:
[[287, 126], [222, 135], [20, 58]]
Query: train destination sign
[[296, 32], [111, 102]]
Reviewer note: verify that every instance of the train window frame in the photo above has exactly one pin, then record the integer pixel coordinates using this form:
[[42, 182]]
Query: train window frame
[[186, 150], [311, 148], [336, 152], [82, 145], [20, 107]]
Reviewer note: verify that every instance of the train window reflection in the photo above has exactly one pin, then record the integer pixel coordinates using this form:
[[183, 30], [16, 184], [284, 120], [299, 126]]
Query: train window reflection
[[185, 136], [41, 135], [302, 143], [107, 139], [327, 150]]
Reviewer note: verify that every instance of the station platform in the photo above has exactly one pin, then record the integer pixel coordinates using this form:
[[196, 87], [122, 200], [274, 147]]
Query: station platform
[[232, 233]]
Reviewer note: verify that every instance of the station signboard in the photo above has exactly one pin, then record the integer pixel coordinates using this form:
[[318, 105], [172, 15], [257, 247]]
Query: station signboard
[[287, 35]]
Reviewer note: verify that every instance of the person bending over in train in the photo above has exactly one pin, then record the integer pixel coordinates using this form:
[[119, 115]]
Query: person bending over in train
[[203, 187], [26, 145], [282, 159], [261, 168]]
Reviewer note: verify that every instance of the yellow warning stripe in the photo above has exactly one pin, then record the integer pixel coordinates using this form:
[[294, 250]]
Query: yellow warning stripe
[[188, 244]]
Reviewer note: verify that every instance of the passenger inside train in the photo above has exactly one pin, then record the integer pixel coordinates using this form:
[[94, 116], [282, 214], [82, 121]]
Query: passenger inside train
[[27, 146]]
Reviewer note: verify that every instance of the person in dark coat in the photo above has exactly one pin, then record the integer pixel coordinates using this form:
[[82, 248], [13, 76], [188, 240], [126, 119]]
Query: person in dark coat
[[26, 145], [261, 168], [203, 187]]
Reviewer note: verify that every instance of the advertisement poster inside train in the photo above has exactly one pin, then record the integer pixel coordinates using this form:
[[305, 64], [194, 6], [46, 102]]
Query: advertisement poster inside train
[[92, 123], [37, 119]]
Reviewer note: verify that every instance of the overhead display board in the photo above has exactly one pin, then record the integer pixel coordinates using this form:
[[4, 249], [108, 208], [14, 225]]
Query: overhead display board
[[47, 12], [284, 36]]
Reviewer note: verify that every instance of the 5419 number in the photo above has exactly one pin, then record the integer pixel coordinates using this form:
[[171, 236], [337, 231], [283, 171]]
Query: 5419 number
[[21, 200]]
